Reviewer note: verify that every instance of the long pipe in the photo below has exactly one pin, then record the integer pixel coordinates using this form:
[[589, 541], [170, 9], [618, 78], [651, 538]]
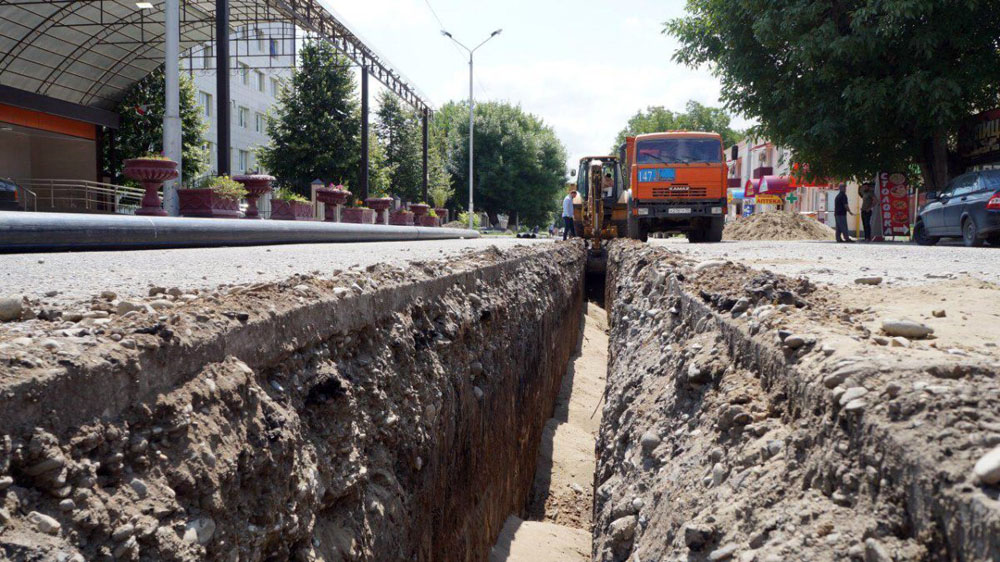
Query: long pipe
[[46, 232]]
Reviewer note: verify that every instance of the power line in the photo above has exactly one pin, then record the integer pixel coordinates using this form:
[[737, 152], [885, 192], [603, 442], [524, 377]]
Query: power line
[[433, 13]]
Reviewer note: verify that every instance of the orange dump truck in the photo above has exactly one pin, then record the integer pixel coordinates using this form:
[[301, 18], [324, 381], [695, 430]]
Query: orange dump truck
[[676, 184]]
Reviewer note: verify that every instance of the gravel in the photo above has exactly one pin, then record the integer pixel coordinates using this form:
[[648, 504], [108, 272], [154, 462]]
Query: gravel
[[842, 264], [79, 276]]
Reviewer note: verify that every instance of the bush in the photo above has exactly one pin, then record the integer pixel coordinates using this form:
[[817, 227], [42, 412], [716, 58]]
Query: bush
[[225, 187], [286, 194], [463, 218]]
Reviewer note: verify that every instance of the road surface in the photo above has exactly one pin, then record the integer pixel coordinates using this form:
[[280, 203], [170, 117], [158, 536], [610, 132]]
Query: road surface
[[841, 264], [79, 276]]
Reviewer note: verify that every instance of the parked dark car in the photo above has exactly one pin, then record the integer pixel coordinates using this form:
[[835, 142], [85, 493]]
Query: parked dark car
[[9, 196], [968, 209]]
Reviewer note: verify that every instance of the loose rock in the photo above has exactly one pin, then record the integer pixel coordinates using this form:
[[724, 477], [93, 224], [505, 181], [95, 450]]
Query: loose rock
[[44, 523], [987, 469], [906, 328], [10, 309]]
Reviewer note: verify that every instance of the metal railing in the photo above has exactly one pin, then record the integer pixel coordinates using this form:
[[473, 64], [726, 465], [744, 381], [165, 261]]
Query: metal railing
[[82, 196]]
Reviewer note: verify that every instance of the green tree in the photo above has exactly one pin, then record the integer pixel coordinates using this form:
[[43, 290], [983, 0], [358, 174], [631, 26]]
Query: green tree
[[314, 128], [520, 163], [141, 128], [398, 127], [439, 187], [380, 170], [854, 86], [696, 117]]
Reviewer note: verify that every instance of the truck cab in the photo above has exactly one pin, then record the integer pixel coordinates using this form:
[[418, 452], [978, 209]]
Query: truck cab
[[676, 184]]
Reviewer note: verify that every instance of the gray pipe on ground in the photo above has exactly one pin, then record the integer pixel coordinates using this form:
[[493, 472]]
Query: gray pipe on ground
[[47, 232]]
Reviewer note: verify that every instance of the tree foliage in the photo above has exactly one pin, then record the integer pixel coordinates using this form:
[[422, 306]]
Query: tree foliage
[[853, 86], [380, 170], [439, 187], [519, 161], [398, 127], [314, 128], [696, 117], [141, 129]]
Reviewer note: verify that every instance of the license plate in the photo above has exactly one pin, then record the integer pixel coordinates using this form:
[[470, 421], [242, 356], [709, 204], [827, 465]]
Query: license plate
[[678, 211], [642, 211]]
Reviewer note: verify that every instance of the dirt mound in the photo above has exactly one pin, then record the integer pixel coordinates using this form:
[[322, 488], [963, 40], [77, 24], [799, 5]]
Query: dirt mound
[[777, 225]]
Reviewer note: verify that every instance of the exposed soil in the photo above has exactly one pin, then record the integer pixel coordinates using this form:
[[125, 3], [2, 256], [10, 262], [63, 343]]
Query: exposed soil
[[776, 225], [559, 511], [344, 419], [751, 417]]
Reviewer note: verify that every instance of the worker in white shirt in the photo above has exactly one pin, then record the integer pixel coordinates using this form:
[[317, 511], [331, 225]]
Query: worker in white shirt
[[568, 228]]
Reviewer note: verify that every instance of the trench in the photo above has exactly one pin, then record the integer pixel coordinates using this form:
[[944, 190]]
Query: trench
[[481, 409]]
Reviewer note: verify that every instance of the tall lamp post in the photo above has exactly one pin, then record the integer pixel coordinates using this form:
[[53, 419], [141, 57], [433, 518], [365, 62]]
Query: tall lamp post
[[471, 106]]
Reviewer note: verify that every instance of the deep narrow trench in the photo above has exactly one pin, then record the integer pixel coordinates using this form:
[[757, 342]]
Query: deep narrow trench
[[558, 522]]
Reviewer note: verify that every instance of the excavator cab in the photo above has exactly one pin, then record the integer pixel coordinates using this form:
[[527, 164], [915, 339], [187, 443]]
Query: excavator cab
[[599, 202]]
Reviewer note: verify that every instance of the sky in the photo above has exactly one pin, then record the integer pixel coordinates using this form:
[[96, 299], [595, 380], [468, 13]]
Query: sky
[[582, 66]]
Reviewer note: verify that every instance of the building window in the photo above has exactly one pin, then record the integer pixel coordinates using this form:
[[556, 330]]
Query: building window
[[208, 57], [273, 47], [244, 162], [259, 123], [245, 74], [244, 117], [275, 87], [205, 99], [260, 80], [260, 39]]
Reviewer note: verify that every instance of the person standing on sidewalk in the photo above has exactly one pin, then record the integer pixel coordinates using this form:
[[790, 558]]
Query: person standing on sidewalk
[[840, 211], [867, 205], [567, 214]]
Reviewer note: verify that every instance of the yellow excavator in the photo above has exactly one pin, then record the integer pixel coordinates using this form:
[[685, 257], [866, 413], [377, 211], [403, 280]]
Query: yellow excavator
[[600, 206]]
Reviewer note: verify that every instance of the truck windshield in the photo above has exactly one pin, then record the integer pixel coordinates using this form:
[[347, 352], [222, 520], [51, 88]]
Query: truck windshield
[[678, 151]]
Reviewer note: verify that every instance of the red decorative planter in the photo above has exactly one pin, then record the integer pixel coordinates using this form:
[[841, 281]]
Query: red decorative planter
[[357, 215], [380, 205], [330, 198], [419, 209], [256, 186], [205, 203], [442, 215], [291, 211], [151, 173], [401, 218], [428, 221]]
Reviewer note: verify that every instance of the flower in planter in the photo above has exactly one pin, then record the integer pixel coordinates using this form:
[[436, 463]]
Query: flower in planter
[[432, 214]]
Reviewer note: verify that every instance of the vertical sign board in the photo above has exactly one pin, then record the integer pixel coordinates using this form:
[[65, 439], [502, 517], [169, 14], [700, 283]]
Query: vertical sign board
[[894, 198]]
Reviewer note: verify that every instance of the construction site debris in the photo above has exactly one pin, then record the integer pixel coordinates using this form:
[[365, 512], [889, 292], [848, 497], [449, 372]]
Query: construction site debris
[[777, 225]]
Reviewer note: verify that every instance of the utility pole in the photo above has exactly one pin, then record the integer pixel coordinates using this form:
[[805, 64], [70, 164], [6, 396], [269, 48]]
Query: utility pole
[[172, 147], [472, 121]]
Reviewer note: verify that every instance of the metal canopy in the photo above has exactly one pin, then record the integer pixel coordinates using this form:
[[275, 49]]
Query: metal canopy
[[89, 52]]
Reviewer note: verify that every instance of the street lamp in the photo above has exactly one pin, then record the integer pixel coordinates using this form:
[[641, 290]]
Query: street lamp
[[471, 106]]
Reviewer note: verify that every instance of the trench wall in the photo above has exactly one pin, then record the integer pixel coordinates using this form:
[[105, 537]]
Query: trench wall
[[719, 442], [388, 414]]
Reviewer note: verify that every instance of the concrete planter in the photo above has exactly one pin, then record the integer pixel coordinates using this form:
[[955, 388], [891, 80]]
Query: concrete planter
[[291, 211], [256, 186], [151, 173], [332, 200], [419, 210], [357, 215], [401, 218], [428, 221], [380, 205], [442, 215], [206, 204]]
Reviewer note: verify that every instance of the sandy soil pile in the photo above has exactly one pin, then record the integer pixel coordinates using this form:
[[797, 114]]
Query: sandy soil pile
[[777, 225]]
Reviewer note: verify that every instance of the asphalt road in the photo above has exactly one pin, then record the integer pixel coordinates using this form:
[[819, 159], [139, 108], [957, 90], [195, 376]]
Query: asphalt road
[[829, 262], [79, 276]]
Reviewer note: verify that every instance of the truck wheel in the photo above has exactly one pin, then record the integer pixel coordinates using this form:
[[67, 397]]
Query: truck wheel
[[696, 235], [634, 231], [713, 233]]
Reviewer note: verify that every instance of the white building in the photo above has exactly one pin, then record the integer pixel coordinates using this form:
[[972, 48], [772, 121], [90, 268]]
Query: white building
[[261, 61]]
